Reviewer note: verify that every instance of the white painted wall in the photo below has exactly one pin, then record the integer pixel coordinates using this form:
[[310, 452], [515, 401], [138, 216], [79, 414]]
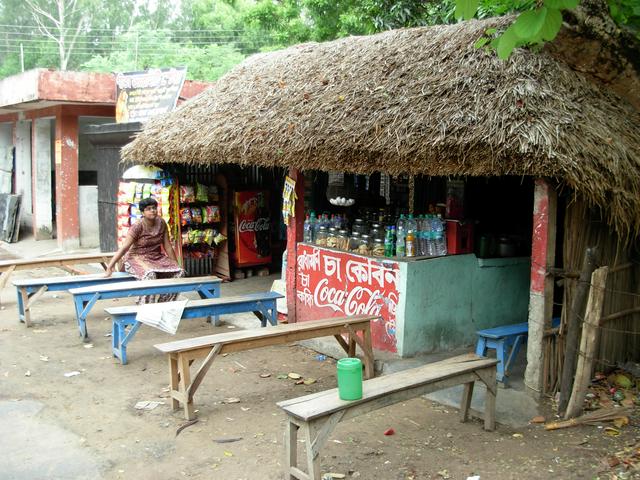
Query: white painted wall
[[88, 216], [6, 157], [42, 179], [23, 172]]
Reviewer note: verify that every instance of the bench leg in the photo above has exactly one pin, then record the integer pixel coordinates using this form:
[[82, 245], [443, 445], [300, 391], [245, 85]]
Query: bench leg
[[488, 377], [481, 347], [313, 457], [465, 404], [213, 293], [515, 348], [184, 384], [4, 278], [291, 447], [23, 298], [500, 355], [173, 381]]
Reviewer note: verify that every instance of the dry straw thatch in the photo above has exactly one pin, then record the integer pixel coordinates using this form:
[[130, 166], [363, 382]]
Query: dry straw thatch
[[417, 101]]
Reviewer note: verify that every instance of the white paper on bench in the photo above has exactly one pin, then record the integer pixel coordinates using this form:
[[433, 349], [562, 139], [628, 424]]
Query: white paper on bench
[[164, 316]]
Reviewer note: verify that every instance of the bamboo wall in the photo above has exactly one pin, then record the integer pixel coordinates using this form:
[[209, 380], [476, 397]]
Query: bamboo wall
[[619, 339]]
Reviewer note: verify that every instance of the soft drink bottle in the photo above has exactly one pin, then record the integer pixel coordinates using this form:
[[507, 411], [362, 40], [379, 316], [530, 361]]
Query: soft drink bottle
[[388, 241]]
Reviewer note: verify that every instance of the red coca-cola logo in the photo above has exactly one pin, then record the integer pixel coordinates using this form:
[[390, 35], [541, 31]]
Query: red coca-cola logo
[[259, 225]]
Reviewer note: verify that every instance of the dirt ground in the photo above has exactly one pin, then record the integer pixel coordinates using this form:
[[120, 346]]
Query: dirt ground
[[86, 426]]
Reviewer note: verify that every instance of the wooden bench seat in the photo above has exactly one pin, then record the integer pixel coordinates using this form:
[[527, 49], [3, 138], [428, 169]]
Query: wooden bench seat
[[182, 353], [263, 305], [7, 267], [318, 414], [30, 289], [86, 297]]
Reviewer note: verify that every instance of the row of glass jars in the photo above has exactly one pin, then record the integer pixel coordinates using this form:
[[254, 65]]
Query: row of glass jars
[[363, 244]]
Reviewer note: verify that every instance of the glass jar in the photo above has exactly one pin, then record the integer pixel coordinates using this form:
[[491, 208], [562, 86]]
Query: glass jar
[[354, 242], [359, 226], [364, 248], [376, 232], [343, 240], [321, 236], [332, 238], [377, 250]]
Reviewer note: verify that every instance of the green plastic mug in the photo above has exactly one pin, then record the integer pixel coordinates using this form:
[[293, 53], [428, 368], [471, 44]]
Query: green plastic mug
[[350, 379]]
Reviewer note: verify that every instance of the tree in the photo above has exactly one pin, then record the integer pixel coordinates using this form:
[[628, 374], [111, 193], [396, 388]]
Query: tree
[[61, 21]]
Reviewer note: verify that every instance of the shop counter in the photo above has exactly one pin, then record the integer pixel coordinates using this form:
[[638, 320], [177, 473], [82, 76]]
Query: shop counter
[[426, 304]]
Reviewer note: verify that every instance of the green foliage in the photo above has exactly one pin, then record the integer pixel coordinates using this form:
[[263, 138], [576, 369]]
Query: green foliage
[[466, 9], [535, 25], [626, 13]]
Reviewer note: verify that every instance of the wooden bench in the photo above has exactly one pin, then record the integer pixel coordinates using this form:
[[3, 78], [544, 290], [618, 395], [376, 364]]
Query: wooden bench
[[86, 297], [29, 290], [263, 306], [506, 340], [7, 267], [317, 414], [183, 353]]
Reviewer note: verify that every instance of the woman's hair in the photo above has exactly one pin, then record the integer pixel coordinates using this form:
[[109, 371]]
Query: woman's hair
[[147, 202]]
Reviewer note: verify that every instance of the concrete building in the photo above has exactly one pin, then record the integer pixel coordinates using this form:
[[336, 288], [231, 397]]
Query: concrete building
[[44, 156]]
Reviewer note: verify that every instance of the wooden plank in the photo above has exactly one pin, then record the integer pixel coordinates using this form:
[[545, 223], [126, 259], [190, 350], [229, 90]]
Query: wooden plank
[[330, 326], [356, 408], [37, 282], [202, 371], [588, 342], [163, 282], [29, 263], [314, 406]]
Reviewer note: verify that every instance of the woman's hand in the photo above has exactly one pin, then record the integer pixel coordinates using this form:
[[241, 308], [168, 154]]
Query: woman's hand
[[109, 271]]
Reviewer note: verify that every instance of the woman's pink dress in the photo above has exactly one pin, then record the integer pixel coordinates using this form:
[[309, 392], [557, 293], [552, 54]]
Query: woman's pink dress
[[146, 260]]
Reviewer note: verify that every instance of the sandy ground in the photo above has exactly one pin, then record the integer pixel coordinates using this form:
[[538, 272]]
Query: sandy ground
[[86, 426]]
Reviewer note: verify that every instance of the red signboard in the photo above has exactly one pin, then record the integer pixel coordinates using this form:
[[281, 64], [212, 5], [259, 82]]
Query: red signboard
[[337, 284], [252, 228]]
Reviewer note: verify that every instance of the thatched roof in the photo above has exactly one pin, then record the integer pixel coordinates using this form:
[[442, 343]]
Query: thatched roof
[[418, 101]]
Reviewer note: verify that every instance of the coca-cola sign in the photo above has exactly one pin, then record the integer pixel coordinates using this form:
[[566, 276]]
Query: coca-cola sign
[[253, 228], [336, 284], [259, 225]]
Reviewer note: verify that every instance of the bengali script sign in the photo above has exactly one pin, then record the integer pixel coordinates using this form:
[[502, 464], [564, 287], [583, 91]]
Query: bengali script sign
[[144, 95], [336, 284]]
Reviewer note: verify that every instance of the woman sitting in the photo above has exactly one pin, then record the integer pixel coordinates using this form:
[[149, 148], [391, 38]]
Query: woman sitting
[[147, 251]]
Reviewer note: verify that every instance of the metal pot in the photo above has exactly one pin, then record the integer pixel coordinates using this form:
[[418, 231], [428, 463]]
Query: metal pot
[[507, 247]]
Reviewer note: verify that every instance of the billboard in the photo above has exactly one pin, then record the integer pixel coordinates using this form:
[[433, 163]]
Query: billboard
[[141, 96]]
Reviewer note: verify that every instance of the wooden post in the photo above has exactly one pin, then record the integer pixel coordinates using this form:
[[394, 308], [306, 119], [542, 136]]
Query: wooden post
[[588, 342], [541, 289], [572, 338], [294, 235]]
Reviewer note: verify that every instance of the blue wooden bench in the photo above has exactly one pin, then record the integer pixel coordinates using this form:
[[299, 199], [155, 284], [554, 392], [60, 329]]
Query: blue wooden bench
[[506, 340], [30, 289], [263, 306], [85, 298]]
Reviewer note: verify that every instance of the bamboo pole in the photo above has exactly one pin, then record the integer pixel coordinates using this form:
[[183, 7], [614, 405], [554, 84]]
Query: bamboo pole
[[588, 342], [572, 339]]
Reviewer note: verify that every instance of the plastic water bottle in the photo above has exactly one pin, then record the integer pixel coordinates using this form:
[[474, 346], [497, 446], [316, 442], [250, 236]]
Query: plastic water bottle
[[307, 235], [439, 236], [400, 237], [421, 246], [313, 222]]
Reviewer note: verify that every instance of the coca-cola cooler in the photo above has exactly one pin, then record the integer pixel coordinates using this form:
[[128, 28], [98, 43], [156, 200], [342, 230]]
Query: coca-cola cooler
[[252, 223]]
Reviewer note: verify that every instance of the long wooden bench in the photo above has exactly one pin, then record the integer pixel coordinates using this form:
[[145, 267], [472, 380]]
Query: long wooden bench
[[182, 353], [263, 306], [318, 414], [7, 267], [30, 289], [86, 297]]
